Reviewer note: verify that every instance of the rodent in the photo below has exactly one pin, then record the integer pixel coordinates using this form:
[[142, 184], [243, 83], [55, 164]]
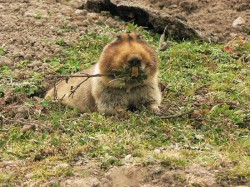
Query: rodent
[[130, 64]]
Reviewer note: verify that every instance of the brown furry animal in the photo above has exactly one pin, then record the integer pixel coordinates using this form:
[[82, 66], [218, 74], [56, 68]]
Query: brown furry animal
[[130, 64]]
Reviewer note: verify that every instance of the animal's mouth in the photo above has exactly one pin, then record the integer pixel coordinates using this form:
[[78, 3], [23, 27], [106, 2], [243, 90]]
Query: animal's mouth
[[129, 75], [134, 72]]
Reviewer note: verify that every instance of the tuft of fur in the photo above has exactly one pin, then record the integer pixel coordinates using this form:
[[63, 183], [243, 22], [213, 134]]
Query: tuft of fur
[[132, 81]]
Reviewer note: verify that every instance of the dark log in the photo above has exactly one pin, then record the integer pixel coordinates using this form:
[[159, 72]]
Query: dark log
[[146, 17]]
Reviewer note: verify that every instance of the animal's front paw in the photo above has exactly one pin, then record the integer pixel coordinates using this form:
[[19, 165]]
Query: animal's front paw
[[155, 109], [113, 110]]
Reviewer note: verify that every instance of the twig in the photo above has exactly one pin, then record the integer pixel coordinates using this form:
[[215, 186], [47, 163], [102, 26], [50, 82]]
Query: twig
[[73, 90], [162, 38], [177, 115], [80, 75]]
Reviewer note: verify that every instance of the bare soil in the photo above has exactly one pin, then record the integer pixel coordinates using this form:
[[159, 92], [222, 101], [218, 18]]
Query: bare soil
[[29, 30], [213, 18]]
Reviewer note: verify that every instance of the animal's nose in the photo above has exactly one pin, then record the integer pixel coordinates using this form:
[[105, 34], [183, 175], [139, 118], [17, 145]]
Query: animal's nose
[[135, 62]]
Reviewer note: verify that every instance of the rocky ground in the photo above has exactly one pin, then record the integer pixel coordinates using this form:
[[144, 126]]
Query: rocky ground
[[218, 20], [30, 30]]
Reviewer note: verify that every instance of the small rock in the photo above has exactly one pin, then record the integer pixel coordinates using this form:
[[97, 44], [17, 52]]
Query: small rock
[[35, 63], [233, 35], [188, 6], [128, 158], [29, 175], [238, 21], [80, 23], [157, 151], [76, 4], [4, 61], [81, 12], [28, 56], [50, 183], [84, 12], [57, 50], [85, 23], [161, 5], [20, 54], [93, 15], [28, 127], [9, 163], [63, 165], [173, 6], [85, 182], [21, 112], [45, 65]]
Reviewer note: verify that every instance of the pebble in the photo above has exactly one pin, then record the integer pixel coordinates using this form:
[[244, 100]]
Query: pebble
[[173, 6], [76, 3], [57, 50], [238, 21], [45, 65], [128, 158], [28, 56], [161, 5], [29, 175], [27, 128], [84, 182], [81, 12], [35, 63], [85, 23], [157, 151], [9, 163], [4, 61], [63, 165], [93, 15]]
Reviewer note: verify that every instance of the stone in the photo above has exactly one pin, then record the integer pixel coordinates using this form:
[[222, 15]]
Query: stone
[[4, 61], [238, 21], [35, 63], [27, 128], [81, 12], [157, 151], [84, 182], [63, 165], [93, 15]]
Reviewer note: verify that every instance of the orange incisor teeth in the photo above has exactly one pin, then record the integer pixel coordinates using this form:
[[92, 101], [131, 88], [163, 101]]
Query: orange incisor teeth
[[135, 72]]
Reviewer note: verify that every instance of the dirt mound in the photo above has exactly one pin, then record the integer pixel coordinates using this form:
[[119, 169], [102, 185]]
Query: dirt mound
[[212, 18]]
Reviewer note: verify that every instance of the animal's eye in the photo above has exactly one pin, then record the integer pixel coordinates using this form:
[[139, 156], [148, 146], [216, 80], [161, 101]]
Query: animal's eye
[[119, 37], [149, 65], [139, 36]]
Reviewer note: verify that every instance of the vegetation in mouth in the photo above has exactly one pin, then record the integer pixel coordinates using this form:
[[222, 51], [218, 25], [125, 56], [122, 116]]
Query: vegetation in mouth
[[125, 75]]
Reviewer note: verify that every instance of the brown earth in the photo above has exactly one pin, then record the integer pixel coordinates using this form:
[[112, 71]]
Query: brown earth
[[29, 30], [212, 18]]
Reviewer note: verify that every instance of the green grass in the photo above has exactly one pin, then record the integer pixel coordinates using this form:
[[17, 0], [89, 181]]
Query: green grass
[[215, 82], [2, 51]]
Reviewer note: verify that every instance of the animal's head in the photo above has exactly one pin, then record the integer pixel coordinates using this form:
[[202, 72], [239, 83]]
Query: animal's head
[[129, 60]]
